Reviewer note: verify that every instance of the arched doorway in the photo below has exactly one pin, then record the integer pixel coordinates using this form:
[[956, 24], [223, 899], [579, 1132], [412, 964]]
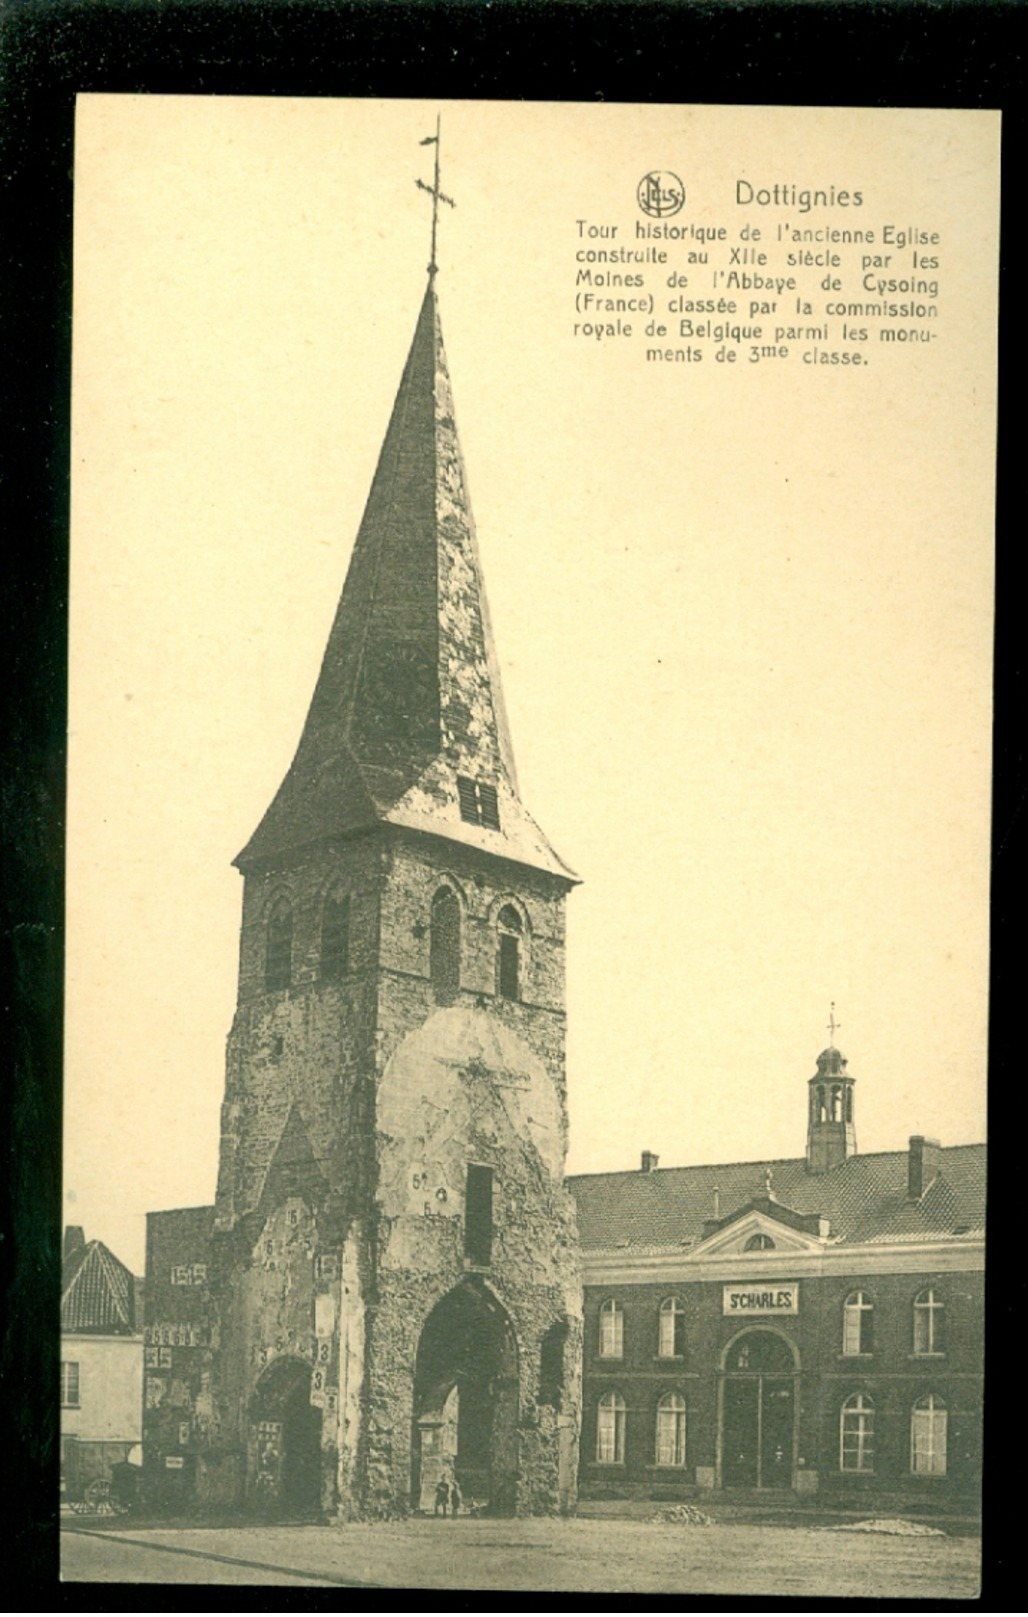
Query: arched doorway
[[285, 1440], [758, 1411], [466, 1402]]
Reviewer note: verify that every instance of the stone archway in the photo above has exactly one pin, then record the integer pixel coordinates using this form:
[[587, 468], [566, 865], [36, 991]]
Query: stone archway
[[466, 1402], [285, 1441]]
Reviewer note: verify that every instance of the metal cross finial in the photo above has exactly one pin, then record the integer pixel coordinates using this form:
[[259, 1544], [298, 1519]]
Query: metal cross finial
[[434, 192], [833, 1027]]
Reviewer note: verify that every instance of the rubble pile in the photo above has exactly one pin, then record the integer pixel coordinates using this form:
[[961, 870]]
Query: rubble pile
[[893, 1525], [683, 1515]]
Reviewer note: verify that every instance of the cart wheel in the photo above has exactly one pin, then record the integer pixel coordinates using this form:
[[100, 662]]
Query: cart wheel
[[99, 1499]]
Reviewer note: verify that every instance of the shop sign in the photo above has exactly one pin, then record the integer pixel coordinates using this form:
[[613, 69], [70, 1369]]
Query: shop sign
[[780, 1297]]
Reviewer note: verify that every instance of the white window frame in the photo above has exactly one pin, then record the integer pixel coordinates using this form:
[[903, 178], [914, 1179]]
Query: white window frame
[[610, 1429], [71, 1387], [671, 1309], [854, 1310], [929, 1313], [669, 1436], [612, 1330], [929, 1422], [857, 1420]]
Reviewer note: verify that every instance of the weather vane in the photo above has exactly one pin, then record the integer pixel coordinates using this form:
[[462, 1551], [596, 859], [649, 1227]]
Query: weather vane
[[833, 1027], [434, 192]]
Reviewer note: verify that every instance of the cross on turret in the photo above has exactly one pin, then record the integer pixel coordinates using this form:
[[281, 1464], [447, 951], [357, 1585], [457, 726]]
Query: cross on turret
[[434, 192], [833, 1027]]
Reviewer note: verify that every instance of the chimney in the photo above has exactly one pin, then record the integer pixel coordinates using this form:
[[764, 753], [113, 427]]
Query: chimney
[[74, 1237], [922, 1165], [649, 1161]]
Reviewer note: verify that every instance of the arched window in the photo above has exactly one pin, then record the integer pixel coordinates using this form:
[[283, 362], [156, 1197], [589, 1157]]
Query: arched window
[[858, 1318], [508, 953], [671, 1336], [759, 1243], [278, 958], [335, 938], [929, 1322], [671, 1430], [444, 945], [928, 1437], [612, 1330], [610, 1429], [857, 1434]]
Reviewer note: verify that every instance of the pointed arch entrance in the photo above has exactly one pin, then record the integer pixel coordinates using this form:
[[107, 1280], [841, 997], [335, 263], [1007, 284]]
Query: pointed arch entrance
[[758, 1408], [466, 1401], [285, 1432]]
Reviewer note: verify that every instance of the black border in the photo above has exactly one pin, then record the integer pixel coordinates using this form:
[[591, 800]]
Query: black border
[[864, 54]]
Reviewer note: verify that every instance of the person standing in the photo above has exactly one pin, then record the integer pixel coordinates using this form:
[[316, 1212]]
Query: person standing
[[442, 1496]]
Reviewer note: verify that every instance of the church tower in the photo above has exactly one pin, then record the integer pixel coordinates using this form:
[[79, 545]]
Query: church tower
[[394, 1268]]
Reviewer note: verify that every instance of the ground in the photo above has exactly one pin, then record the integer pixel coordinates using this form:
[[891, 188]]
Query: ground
[[610, 1555]]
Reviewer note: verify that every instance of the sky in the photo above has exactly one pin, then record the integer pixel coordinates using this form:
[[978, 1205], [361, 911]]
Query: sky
[[743, 614]]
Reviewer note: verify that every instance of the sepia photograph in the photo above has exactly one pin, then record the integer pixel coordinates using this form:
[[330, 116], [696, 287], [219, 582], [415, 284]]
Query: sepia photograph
[[528, 845]]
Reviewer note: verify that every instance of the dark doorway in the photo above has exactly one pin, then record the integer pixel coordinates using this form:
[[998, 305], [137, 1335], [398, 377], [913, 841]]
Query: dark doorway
[[758, 1413], [286, 1432], [466, 1402]]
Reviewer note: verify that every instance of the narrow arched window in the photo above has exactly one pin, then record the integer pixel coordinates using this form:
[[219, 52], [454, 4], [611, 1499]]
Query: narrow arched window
[[929, 1322], [335, 938], [508, 953], [610, 1429], [858, 1317], [928, 1422], [612, 1330], [278, 957], [670, 1448], [671, 1333], [857, 1434], [444, 946]]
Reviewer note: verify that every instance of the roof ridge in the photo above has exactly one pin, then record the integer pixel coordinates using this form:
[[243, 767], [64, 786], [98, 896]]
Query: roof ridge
[[761, 1162]]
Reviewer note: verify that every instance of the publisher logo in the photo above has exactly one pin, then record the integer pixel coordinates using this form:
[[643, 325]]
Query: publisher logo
[[660, 193]]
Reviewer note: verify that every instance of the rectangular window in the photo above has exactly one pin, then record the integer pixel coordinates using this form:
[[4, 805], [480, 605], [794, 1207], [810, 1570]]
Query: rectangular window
[[610, 1430], [479, 804], [69, 1384], [478, 1215]]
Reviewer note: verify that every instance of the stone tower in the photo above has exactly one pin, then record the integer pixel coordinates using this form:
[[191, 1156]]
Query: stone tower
[[394, 1271]]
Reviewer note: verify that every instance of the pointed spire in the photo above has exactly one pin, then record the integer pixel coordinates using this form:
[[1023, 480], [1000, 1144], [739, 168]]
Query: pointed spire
[[408, 698]]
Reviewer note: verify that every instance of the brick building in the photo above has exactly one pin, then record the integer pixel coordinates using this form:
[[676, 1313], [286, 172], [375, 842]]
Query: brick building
[[810, 1324], [389, 1287]]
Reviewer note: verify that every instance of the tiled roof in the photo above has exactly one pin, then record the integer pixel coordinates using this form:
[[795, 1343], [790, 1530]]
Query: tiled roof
[[864, 1199], [98, 1293]]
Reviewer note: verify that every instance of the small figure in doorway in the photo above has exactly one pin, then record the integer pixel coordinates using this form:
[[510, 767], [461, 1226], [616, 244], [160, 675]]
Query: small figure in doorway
[[455, 1497], [442, 1496]]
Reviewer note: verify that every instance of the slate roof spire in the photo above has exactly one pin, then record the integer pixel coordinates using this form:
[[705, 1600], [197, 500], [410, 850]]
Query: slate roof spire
[[408, 699]]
